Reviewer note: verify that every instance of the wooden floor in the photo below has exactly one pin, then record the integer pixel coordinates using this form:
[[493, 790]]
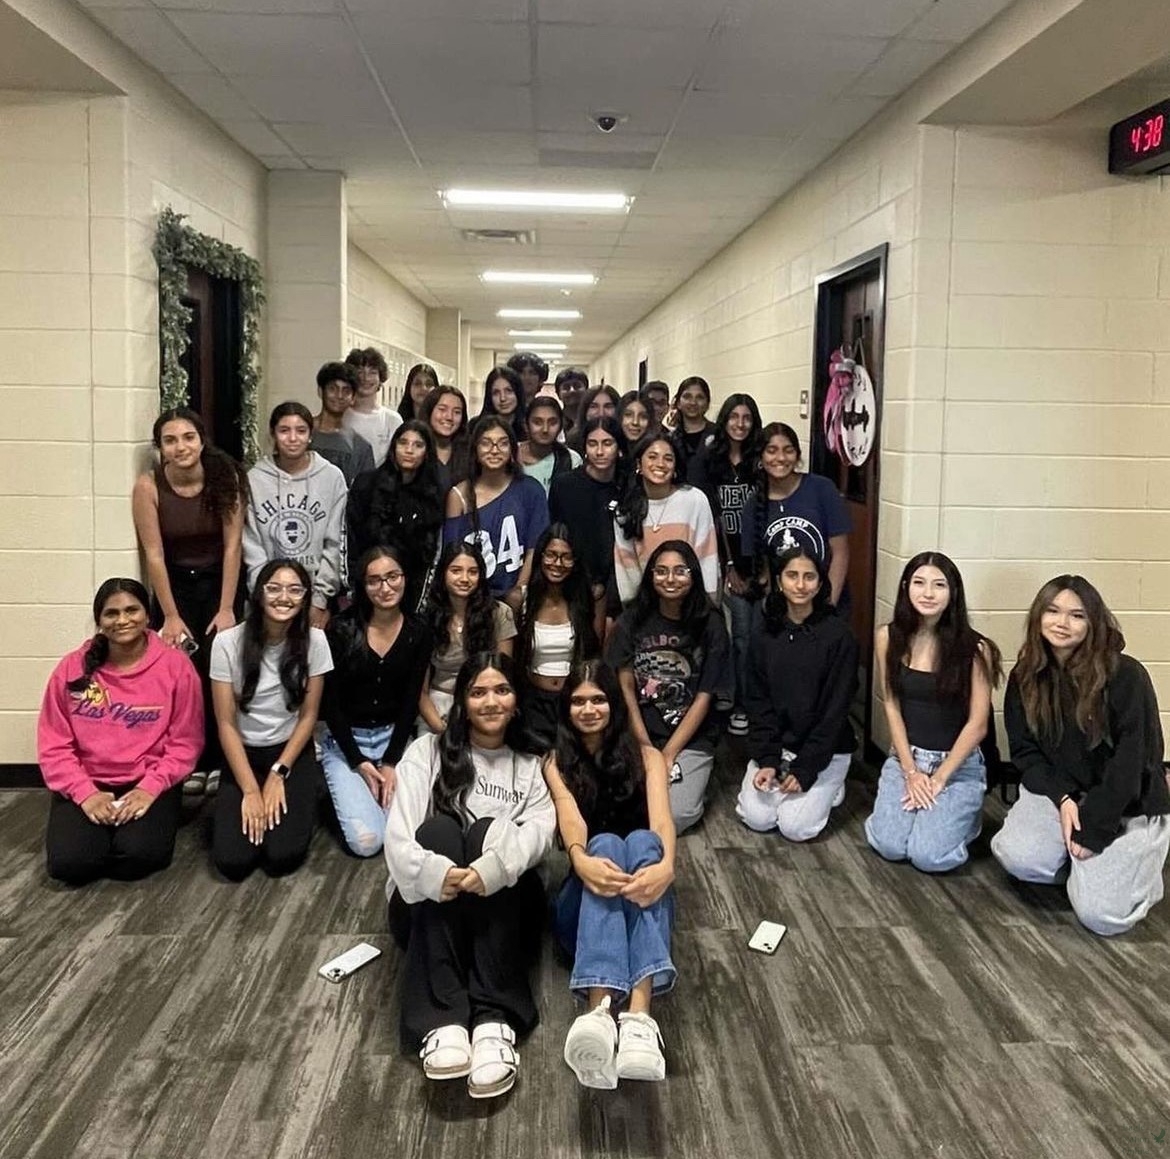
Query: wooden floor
[[902, 1016]]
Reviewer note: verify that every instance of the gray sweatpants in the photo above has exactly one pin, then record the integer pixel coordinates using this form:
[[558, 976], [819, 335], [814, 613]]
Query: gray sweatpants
[[1111, 891], [688, 779]]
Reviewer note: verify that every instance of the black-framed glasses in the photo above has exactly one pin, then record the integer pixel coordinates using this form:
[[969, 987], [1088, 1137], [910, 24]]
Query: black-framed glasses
[[389, 580], [679, 572]]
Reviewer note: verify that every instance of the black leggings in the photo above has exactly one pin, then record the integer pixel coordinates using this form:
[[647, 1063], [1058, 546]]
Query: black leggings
[[196, 592], [467, 960], [78, 851], [284, 848]]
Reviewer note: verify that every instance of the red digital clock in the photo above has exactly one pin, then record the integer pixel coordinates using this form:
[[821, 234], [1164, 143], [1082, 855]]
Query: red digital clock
[[1141, 143]]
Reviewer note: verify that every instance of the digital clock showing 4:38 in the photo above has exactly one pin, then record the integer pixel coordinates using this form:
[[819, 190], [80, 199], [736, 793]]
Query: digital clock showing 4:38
[[1141, 143]]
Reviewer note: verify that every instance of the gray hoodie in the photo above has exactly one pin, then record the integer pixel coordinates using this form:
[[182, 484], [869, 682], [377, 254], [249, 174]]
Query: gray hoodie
[[299, 517]]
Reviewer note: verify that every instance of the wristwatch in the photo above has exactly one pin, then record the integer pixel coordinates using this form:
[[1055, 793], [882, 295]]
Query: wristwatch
[[282, 771]]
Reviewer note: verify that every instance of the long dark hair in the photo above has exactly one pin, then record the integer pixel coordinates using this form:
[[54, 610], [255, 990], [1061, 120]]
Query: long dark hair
[[349, 629], [719, 467], [489, 405], [633, 504], [225, 482], [456, 770], [763, 560], [479, 428], [396, 502], [617, 765], [294, 658], [1085, 674], [959, 645], [479, 621], [406, 402], [98, 650], [776, 603], [695, 606], [578, 594]]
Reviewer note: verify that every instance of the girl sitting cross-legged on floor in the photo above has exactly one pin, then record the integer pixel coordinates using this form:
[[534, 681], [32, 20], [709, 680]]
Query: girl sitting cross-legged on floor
[[938, 673], [615, 910], [469, 821]]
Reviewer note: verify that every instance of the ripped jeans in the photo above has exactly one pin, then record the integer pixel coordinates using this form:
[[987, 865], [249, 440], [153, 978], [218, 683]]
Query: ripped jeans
[[362, 819]]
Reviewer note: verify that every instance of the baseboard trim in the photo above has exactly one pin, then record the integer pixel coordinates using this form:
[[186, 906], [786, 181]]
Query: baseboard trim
[[21, 777]]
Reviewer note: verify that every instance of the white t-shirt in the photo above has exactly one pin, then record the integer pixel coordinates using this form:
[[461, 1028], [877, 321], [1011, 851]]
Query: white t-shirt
[[268, 720], [377, 427]]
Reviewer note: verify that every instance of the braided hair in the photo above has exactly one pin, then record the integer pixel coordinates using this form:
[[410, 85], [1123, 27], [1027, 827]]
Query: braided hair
[[98, 651]]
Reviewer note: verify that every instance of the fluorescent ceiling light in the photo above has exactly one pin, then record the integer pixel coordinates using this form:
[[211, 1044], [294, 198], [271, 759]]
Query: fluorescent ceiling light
[[534, 199], [537, 278], [540, 333], [536, 347], [551, 315]]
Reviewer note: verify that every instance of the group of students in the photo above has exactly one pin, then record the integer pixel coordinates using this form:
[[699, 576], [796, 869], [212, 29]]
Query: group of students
[[491, 659]]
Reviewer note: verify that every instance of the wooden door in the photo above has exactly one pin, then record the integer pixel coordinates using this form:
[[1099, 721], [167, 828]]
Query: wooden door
[[212, 357], [851, 310]]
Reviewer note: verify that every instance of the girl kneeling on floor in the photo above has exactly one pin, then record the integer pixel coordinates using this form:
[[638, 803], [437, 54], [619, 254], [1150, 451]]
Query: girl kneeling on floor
[[1082, 721], [801, 677], [615, 909], [469, 821], [938, 673]]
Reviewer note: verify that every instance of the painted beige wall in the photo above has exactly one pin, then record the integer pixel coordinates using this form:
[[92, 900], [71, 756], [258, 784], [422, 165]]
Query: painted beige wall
[[81, 182], [381, 307]]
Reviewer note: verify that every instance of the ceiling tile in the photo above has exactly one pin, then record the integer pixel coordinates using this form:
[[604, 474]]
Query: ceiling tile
[[712, 115], [955, 20], [271, 45], [772, 21], [468, 108], [569, 108], [253, 7], [451, 11], [488, 148], [214, 95], [153, 37], [571, 55], [899, 67], [643, 14], [794, 64], [257, 137], [457, 52], [312, 95]]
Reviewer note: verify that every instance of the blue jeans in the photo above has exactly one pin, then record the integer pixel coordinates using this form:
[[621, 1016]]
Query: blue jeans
[[933, 840], [614, 943], [362, 819]]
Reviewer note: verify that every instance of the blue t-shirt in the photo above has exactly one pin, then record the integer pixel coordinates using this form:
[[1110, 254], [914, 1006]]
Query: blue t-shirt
[[509, 526], [808, 518]]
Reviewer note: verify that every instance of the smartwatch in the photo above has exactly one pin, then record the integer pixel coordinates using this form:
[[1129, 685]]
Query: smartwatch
[[282, 771]]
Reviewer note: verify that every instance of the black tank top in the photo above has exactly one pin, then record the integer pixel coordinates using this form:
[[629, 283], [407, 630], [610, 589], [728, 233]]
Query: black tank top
[[931, 723], [616, 814]]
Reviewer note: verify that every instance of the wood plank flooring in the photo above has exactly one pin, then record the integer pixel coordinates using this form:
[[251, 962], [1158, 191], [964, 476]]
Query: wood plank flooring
[[902, 1016]]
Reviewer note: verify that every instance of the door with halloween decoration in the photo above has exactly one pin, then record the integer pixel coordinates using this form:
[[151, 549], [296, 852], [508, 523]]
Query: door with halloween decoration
[[845, 423]]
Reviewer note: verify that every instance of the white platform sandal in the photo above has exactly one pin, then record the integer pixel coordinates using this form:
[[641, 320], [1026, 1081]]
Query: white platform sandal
[[494, 1060], [446, 1053]]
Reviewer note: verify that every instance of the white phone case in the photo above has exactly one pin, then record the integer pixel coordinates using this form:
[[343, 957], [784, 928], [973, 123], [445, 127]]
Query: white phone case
[[345, 964], [767, 937]]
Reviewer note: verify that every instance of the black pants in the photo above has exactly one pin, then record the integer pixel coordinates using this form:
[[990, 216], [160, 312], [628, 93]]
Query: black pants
[[196, 592], [539, 713], [467, 960], [78, 851], [283, 848]]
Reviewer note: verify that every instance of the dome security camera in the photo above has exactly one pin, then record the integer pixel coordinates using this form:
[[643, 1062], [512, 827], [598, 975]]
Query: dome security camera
[[606, 122]]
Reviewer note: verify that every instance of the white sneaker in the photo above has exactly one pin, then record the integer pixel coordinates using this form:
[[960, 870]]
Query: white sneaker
[[494, 1060], [639, 1053], [737, 724], [446, 1052], [590, 1046], [839, 795]]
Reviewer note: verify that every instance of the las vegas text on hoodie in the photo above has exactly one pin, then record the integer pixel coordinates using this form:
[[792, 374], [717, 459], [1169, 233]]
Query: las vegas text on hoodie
[[299, 517], [143, 726]]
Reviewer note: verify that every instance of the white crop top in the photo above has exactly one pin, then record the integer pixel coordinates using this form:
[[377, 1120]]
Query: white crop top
[[552, 649]]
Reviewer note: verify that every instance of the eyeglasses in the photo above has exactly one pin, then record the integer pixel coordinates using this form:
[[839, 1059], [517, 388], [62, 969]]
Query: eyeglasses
[[388, 580], [680, 572], [565, 558], [494, 445], [297, 591]]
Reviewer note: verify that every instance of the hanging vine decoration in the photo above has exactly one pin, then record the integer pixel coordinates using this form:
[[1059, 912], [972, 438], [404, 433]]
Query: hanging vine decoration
[[177, 246]]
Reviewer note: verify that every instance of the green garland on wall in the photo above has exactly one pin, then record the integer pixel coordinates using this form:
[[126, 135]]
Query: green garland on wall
[[177, 246]]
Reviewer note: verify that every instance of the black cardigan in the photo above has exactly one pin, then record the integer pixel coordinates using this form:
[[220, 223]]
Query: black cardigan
[[800, 684], [1122, 777], [365, 690]]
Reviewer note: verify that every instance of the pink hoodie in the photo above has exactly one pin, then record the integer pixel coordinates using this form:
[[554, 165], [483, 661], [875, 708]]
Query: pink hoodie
[[143, 727]]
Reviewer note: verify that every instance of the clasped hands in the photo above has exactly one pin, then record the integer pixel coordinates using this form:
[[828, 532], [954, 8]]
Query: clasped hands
[[643, 887], [460, 881], [104, 809]]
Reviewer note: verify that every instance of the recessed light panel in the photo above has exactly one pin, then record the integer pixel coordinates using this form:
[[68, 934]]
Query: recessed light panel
[[539, 315], [535, 199], [536, 278]]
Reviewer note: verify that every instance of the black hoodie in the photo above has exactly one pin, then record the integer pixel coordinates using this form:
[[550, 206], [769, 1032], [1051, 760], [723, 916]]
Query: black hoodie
[[800, 684]]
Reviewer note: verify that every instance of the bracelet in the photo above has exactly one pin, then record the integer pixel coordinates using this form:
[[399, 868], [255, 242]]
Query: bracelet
[[575, 845], [1066, 797]]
